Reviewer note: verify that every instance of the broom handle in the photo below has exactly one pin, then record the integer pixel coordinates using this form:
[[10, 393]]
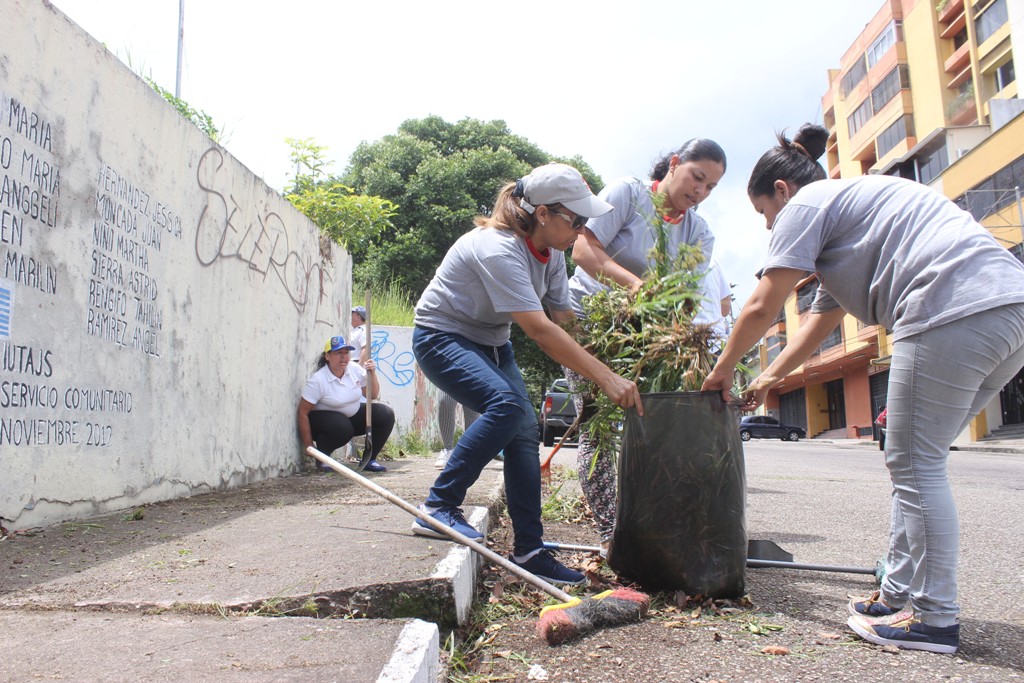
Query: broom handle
[[368, 345], [547, 463], [475, 546]]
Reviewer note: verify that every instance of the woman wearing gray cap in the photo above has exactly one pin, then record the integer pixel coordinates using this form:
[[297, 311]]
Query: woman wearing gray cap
[[508, 269]]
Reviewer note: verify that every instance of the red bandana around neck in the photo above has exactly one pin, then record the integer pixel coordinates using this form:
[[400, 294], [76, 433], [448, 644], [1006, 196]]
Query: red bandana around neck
[[671, 221], [542, 256]]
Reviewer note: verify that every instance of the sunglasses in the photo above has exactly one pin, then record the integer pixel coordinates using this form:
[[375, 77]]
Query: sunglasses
[[577, 222]]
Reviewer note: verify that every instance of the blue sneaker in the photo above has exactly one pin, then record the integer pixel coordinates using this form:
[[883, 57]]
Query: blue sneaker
[[374, 466], [544, 565], [872, 606], [452, 517], [909, 634]]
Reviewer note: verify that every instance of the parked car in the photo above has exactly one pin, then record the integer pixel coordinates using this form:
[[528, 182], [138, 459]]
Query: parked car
[[767, 427], [558, 412]]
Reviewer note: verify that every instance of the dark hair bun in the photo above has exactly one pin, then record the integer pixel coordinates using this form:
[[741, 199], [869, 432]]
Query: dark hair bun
[[812, 138]]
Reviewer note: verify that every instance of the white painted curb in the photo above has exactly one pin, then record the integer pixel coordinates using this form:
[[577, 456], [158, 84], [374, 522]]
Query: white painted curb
[[416, 655]]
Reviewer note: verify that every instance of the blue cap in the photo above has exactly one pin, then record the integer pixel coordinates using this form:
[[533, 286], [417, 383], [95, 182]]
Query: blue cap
[[361, 310], [337, 344]]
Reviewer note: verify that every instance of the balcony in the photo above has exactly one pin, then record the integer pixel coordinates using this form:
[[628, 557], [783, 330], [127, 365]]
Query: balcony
[[954, 27], [950, 11], [959, 59], [964, 114], [960, 78]]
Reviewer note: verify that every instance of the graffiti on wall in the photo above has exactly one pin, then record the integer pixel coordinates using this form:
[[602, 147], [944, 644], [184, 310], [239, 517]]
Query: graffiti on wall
[[231, 228], [127, 241], [39, 405], [398, 367], [29, 199]]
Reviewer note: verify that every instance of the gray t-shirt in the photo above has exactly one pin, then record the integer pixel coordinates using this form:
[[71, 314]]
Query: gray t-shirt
[[894, 253], [628, 235], [487, 275]]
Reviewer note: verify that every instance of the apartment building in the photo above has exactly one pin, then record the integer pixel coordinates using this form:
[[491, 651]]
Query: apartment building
[[927, 92]]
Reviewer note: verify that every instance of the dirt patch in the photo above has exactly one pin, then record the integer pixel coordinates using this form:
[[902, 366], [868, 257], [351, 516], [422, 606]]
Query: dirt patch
[[790, 627]]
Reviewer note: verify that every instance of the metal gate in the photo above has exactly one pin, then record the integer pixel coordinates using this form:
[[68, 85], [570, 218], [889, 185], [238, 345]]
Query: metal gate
[[793, 408], [836, 404], [1012, 400]]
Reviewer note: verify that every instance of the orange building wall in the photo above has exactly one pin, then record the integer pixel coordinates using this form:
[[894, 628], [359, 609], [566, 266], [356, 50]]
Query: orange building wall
[[857, 394]]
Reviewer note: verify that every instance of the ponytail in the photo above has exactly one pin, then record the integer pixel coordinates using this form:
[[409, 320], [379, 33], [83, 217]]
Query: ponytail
[[793, 161]]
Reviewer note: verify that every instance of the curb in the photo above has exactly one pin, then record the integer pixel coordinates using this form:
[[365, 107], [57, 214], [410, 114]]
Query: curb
[[416, 657]]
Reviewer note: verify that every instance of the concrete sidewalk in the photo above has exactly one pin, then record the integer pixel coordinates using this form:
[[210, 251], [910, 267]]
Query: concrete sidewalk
[[186, 591]]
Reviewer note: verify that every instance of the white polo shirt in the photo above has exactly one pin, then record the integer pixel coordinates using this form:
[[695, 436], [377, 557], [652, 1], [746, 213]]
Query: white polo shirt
[[340, 394]]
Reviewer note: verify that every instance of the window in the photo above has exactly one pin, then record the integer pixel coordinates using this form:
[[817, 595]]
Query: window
[[930, 165], [960, 38], [832, 340], [805, 296], [859, 117], [854, 76], [990, 20], [994, 193], [894, 134], [890, 86], [775, 344], [882, 43], [1005, 75]]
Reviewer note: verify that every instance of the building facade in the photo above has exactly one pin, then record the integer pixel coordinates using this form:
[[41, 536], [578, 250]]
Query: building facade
[[927, 92]]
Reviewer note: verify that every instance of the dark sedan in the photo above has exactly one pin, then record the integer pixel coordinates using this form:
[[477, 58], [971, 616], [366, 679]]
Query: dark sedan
[[767, 427]]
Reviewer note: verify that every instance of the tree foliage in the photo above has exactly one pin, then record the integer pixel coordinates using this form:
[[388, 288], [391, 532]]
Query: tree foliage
[[200, 118], [343, 215], [440, 175]]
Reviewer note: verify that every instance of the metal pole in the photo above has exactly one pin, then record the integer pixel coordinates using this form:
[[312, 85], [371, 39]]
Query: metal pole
[[181, 44], [1020, 210]]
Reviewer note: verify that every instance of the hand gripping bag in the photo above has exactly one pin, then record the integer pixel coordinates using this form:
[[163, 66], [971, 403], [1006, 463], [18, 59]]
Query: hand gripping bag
[[680, 519]]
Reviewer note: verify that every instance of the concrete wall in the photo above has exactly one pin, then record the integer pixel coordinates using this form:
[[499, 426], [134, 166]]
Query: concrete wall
[[159, 304]]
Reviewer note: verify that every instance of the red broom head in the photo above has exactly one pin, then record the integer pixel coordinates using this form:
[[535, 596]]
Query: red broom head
[[620, 606]]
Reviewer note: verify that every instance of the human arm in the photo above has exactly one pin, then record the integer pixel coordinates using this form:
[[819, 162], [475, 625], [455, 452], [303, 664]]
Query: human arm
[[302, 419], [590, 255], [371, 379], [808, 338], [756, 317], [562, 348]]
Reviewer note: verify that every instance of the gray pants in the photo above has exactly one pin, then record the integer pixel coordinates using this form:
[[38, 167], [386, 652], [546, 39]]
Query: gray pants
[[939, 381], [446, 419]]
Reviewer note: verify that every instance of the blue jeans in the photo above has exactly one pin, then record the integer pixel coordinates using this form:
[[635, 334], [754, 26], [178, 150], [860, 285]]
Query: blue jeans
[[939, 381], [487, 380]]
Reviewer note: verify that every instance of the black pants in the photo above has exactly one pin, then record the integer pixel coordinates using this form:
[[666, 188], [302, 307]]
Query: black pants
[[332, 430]]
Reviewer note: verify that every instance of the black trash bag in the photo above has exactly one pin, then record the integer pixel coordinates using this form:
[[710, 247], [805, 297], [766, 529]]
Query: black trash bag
[[680, 521]]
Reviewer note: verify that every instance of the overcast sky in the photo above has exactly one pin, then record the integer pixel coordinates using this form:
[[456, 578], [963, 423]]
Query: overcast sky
[[618, 83]]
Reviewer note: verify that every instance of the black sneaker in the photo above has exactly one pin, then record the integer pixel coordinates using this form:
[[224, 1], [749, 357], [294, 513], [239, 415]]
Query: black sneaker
[[909, 634], [544, 565], [374, 466], [452, 517]]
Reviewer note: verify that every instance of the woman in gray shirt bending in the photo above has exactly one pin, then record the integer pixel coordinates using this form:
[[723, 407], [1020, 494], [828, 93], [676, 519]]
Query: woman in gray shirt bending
[[897, 254]]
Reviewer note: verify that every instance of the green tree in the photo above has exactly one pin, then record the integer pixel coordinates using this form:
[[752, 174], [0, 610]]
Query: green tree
[[343, 215], [441, 175]]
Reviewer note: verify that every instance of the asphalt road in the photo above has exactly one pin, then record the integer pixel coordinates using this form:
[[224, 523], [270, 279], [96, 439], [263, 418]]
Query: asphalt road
[[829, 503], [826, 503]]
